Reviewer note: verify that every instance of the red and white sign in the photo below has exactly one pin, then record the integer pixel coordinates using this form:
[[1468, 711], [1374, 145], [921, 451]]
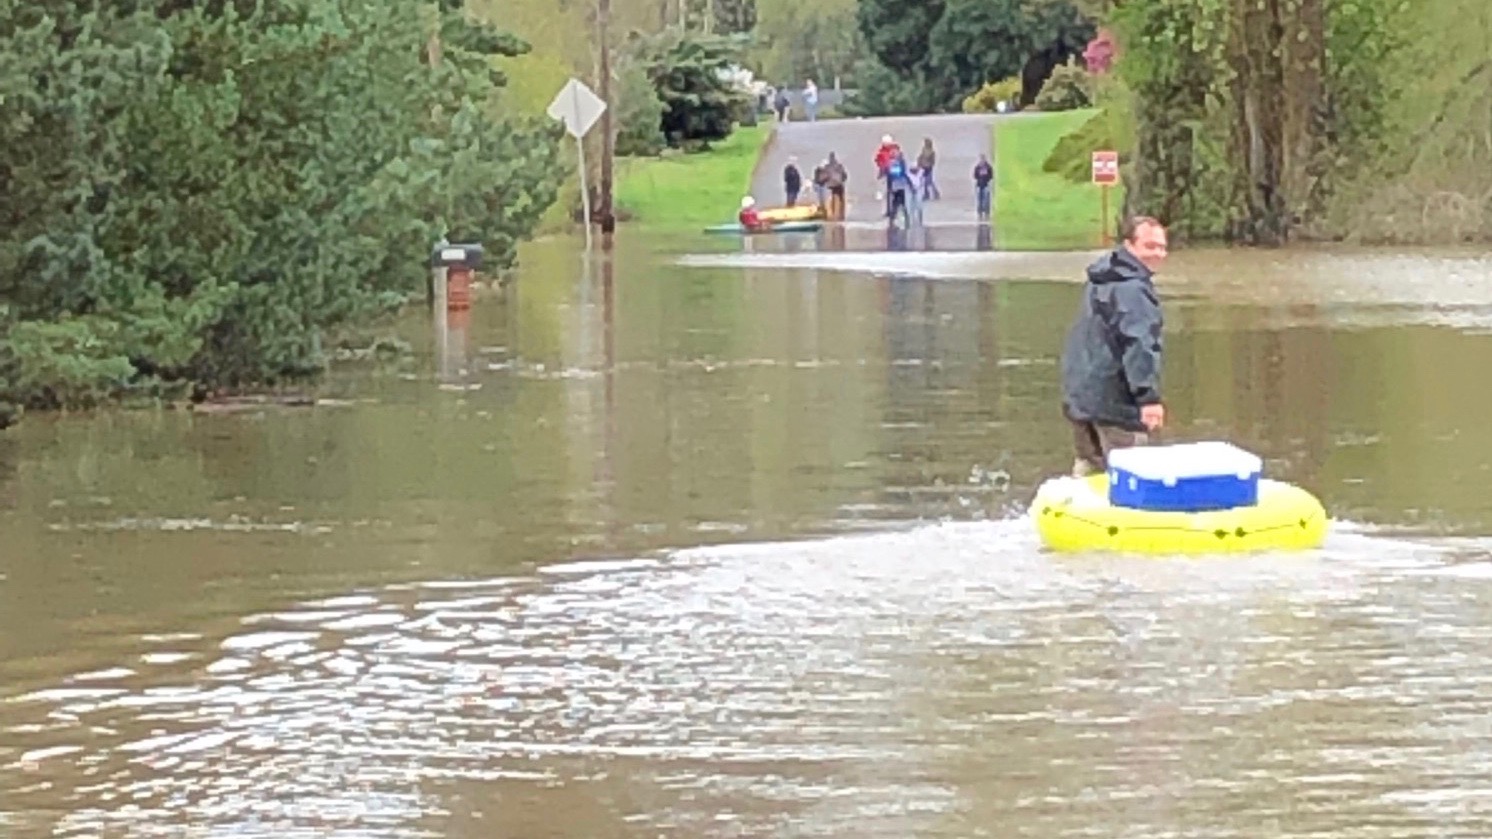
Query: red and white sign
[[1106, 168]]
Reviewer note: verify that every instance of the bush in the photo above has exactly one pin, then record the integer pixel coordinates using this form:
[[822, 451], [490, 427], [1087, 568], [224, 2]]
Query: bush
[[1067, 89], [687, 69], [639, 114], [1113, 127], [985, 99], [1072, 157]]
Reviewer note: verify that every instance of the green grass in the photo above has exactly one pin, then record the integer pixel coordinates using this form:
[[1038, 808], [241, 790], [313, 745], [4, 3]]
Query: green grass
[[1037, 210], [689, 190]]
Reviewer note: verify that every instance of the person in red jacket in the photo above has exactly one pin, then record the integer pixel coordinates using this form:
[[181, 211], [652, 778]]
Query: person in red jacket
[[884, 155], [748, 217]]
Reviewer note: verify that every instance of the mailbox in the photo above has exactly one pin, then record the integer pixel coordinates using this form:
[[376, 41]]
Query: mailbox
[[450, 256], [456, 262]]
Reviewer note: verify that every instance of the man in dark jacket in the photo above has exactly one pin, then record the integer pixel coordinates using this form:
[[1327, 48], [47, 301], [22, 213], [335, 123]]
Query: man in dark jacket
[[1111, 364], [792, 181]]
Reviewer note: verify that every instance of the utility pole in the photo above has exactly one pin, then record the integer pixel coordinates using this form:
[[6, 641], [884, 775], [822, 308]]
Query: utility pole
[[608, 144]]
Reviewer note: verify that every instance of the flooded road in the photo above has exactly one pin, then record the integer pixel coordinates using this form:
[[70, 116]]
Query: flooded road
[[724, 544]]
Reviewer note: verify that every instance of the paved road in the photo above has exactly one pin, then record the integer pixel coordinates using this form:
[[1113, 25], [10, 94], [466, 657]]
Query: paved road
[[958, 138]]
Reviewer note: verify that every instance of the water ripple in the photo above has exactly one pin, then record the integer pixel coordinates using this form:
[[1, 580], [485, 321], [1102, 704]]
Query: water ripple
[[946, 680]]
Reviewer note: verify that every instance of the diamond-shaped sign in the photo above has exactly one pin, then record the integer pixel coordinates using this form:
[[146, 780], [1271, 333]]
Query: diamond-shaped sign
[[577, 107]]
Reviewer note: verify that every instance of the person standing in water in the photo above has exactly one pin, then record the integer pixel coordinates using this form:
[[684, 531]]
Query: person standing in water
[[926, 160], [1111, 363], [792, 181], [984, 175], [898, 184], [835, 176]]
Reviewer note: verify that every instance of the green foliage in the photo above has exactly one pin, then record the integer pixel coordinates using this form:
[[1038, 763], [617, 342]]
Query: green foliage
[[1111, 128], [684, 67], [1038, 210], [817, 40], [639, 116], [200, 194], [679, 190], [1316, 117], [934, 53], [987, 98], [898, 32], [1067, 88], [882, 91], [733, 16], [1173, 59]]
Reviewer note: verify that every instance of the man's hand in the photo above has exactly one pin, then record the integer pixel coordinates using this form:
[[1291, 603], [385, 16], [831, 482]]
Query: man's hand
[[1153, 416]]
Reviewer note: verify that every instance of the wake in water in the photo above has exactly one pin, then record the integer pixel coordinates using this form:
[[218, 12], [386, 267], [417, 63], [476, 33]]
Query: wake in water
[[751, 679]]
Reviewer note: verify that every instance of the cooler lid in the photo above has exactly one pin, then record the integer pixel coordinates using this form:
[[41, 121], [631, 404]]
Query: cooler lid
[[1186, 460]]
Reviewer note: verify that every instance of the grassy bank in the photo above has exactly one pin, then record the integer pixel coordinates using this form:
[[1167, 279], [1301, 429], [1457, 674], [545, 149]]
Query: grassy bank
[[1039, 210], [689, 190]]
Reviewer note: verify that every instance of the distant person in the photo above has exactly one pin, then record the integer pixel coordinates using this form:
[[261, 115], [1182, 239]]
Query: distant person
[[749, 217], [926, 159], [820, 189], [984, 175], [780, 103], [1111, 363], [884, 153], [898, 184], [811, 100], [914, 196], [835, 178], [792, 181]]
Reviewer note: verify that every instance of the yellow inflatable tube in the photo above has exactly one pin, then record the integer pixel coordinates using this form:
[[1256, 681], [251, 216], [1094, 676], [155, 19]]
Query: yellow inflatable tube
[[1074, 514]]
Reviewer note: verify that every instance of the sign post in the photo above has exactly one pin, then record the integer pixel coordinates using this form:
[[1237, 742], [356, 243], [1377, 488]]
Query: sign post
[[1105, 175], [579, 108]]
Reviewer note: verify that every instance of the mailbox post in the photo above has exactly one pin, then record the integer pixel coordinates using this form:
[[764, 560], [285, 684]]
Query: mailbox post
[[452, 267]]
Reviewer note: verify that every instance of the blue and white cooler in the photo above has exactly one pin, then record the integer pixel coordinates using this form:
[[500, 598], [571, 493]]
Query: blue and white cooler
[[1187, 477]]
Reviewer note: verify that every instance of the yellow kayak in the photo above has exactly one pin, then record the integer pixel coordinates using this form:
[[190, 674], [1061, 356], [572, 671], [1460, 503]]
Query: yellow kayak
[[801, 212], [1074, 514]]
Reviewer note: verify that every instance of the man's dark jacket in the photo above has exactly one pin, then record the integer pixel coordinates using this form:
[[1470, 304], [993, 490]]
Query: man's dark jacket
[[1111, 364]]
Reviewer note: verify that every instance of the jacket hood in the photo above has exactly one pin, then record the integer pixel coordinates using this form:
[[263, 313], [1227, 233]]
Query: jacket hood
[[1117, 266]]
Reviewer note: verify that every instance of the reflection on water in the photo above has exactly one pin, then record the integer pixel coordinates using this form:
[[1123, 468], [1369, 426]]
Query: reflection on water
[[734, 548]]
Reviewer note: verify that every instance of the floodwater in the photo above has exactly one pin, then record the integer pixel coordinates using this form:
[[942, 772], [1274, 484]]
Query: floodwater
[[704, 543]]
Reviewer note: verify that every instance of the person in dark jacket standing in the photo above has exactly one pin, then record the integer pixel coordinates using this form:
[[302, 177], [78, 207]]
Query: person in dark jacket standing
[[1111, 363], [792, 181], [984, 173]]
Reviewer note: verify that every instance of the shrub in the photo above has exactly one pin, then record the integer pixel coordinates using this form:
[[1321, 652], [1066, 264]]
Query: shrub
[[1068, 88], [639, 115], [1113, 127], [985, 99]]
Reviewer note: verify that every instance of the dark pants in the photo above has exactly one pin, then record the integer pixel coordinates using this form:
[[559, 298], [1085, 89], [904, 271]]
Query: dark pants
[[929, 189], [1092, 443], [899, 204], [792, 196], [836, 203]]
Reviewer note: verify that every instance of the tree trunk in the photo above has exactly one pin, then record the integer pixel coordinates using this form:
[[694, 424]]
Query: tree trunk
[[1258, 203], [1308, 163]]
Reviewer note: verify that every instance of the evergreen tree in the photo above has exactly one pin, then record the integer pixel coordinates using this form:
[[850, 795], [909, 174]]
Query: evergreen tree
[[199, 195]]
